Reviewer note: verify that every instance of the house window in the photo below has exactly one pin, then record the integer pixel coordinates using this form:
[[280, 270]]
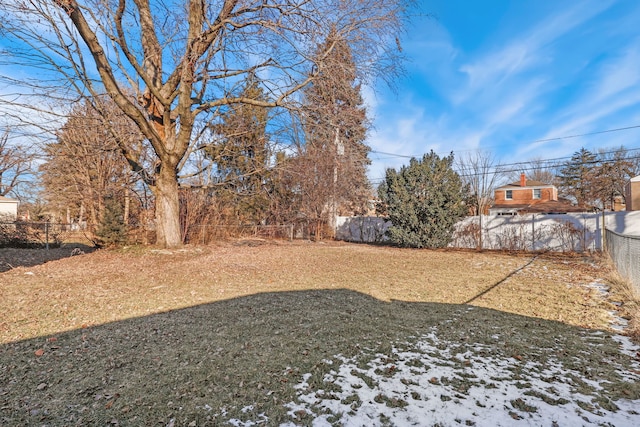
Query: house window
[[537, 193], [508, 194]]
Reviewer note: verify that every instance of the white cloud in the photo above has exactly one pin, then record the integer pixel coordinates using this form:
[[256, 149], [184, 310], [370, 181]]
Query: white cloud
[[526, 51], [605, 103], [570, 69]]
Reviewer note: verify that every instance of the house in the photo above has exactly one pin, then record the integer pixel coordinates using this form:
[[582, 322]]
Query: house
[[632, 194], [528, 196], [8, 209]]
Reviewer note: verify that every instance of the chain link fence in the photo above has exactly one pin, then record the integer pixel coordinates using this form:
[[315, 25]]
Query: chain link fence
[[22, 234], [624, 251], [203, 234], [48, 235]]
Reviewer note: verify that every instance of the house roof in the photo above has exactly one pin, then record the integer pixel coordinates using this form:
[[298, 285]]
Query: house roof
[[635, 179], [7, 200], [551, 206], [529, 183]]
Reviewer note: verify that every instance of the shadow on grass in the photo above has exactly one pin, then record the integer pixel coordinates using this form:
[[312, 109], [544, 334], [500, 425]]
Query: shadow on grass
[[241, 358], [501, 281], [20, 257]]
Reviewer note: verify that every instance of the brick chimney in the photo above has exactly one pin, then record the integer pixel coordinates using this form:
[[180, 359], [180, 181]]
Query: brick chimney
[[523, 180]]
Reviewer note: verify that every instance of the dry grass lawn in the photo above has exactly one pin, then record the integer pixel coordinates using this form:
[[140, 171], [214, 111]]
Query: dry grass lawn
[[107, 286], [213, 335]]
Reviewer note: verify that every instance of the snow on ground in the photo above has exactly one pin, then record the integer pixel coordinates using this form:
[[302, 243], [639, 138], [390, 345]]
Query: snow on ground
[[437, 382]]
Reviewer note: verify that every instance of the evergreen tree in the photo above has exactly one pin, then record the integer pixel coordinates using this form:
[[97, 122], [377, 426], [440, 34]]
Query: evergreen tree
[[332, 162], [577, 177], [241, 156], [423, 201], [112, 230]]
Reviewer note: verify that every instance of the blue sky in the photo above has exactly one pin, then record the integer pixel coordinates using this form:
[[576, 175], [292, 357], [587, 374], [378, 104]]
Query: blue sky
[[498, 75]]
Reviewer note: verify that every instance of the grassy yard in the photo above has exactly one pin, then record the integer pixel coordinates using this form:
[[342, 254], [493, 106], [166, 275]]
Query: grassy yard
[[230, 333]]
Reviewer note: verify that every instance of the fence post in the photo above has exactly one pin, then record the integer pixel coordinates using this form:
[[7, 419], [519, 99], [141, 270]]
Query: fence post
[[46, 234], [602, 233], [481, 241], [584, 233], [533, 232]]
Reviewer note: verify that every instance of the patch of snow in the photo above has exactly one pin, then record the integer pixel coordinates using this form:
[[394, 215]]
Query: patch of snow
[[601, 288], [627, 346], [616, 322], [434, 383], [239, 423]]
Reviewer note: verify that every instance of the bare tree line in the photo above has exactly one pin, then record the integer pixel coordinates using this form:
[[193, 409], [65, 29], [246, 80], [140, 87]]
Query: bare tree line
[[592, 180], [172, 68], [171, 115]]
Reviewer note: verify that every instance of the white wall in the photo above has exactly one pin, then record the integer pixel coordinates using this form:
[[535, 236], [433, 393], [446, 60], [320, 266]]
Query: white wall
[[626, 222], [567, 232], [8, 209]]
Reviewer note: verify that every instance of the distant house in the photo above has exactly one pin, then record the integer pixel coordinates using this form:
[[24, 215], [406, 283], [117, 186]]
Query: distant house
[[8, 209], [528, 196], [632, 194]]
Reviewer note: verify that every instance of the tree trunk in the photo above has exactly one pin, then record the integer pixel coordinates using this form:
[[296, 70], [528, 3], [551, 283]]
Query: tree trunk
[[93, 215], [167, 208], [81, 214], [127, 203]]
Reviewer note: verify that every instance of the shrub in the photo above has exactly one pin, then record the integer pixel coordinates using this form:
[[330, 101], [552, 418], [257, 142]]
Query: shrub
[[112, 231]]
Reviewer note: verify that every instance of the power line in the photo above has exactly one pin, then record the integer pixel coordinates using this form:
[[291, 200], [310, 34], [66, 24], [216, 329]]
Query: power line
[[393, 155], [555, 161], [544, 163], [585, 134], [530, 142], [530, 168]]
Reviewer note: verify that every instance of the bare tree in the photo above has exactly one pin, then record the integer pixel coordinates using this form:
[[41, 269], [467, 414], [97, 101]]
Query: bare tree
[[183, 61], [84, 167], [480, 172], [311, 173], [611, 175], [536, 169], [541, 171], [15, 165]]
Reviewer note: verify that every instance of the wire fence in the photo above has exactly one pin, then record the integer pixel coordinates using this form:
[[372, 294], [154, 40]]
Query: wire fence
[[624, 251], [204, 234], [47, 235], [27, 234]]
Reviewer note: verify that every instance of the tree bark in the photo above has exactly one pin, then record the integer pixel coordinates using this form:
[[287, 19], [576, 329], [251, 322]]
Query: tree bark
[[167, 209], [127, 206]]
